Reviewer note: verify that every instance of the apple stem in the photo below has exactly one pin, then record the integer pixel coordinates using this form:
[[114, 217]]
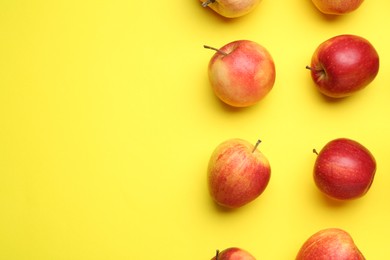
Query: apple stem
[[206, 3], [313, 69], [215, 49], [256, 145], [315, 151], [217, 255]]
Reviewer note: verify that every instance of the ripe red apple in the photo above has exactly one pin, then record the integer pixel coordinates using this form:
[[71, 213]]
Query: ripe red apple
[[233, 253], [330, 244], [231, 8], [337, 7], [344, 169], [237, 173], [344, 64], [241, 73]]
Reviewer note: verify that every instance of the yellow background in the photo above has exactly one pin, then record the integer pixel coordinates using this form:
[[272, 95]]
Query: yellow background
[[108, 121]]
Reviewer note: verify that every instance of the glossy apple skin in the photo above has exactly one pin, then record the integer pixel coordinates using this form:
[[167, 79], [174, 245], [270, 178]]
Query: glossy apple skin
[[233, 8], [330, 244], [234, 253], [343, 65], [344, 169], [244, 76], [236, 175], [337, 7]]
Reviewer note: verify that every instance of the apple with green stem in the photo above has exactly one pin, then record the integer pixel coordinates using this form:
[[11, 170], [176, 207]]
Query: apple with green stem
[[237, 173], [231, 8], [344, 169], [330, 244], [343, 65], [337, 7], [241, 73], [233, 253]]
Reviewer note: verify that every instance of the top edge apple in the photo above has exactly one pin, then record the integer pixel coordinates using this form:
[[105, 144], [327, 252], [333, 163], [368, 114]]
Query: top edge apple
[[231, 8], [232, 253], [337, 7]]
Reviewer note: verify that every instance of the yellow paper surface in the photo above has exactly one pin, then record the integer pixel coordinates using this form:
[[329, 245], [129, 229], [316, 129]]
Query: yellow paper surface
[[108, 121]]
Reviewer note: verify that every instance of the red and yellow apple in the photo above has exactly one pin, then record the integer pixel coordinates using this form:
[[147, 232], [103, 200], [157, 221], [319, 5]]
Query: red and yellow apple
[[330, 244], [343, 65], [231, 8], [241, 73], [233, 253], [337, 7], [237, 173], [344, 169]]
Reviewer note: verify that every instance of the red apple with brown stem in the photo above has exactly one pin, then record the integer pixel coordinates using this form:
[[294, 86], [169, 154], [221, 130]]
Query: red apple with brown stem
[[344, 169], [241, 73], [343, 65], [231, 8], [337, 7], [237, 173], [233, 253], [330, 244]]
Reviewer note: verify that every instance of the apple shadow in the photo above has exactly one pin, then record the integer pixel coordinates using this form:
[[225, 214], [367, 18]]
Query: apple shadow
[[326, 17], [330, 17], [330, 202], [225, 107], [327, 99], [219, 17], [221, 209], [335, 203], [235, 110], [331, 100], [228, 108], [225, 20]]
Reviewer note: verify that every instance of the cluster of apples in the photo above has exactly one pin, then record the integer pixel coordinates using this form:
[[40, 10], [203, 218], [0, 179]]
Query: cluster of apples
[[238, 172], [237, 8], [241, 74], [326, 244]]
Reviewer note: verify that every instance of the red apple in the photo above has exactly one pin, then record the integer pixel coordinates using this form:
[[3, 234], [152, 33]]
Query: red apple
[[337, 7], [344, 64], [231, 8], [233, 253], [237, 173], [344, 169], [330, 244], [241, 73]]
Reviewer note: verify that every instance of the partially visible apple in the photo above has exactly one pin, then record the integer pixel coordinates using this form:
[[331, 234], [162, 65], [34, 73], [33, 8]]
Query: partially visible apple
[[343, 65], [330, 244], [233, 253], [241, 73], [344, 169], [337, 7], [237, 173], [231, 8]]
